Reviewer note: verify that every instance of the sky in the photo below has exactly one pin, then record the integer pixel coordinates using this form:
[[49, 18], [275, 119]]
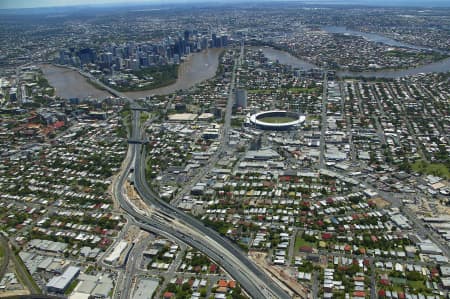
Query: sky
[[48, 3], [7, 4]]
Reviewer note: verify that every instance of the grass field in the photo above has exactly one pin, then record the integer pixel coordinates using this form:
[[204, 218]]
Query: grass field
[[438, 169], [299, 242], [261, 91], [292, 90], [71, 287], [416, 284], [276, 119]]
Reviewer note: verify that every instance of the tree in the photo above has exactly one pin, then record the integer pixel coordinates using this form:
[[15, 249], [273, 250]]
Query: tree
[[405, 166], [186, 286], [171, 287]]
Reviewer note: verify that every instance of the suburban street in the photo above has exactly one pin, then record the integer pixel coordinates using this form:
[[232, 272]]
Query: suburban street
[[188, 229], [225, 136], [323, 121]]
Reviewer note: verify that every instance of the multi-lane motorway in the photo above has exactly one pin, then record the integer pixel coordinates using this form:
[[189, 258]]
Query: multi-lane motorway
[[219, 248], [172, 222]]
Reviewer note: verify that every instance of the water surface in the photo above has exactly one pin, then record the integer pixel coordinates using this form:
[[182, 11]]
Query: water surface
[[373, 37], [70, 84], [284, 57], [198, 67]]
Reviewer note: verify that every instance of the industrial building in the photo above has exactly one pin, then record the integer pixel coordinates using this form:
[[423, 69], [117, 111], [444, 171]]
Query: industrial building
[[59, 284], [145, 288], [114, 256]]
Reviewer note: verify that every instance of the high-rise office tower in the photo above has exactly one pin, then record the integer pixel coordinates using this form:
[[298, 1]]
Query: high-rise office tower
[[241, 98]]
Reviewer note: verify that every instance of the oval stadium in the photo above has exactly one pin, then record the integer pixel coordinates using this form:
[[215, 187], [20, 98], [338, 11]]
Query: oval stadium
[[276, 120]]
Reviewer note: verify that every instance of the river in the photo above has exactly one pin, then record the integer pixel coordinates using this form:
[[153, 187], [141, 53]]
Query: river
[[203, 66], [197, 68], [70, 84], [435, 67], [438, 66], [286, 58], [374, 37]]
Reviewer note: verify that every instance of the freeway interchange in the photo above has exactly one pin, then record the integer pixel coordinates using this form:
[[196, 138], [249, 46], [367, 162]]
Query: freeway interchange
[[172, 222]]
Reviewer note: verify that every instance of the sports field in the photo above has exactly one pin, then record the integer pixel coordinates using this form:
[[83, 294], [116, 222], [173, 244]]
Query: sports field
[[276, 119]]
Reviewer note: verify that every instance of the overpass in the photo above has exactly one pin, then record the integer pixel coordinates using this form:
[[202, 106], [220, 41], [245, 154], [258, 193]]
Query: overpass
[[193, 232], [185, 228]]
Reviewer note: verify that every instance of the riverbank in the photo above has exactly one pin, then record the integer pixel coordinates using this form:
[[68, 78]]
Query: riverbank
[[71, 84], [198, 67], [272, 52], [441, 66], [379, 38], [287, 58], [431, 61], [162, 75]]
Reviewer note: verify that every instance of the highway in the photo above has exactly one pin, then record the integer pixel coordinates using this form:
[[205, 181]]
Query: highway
[[131, 270], [195, 239], [169, 221], [195, 233]]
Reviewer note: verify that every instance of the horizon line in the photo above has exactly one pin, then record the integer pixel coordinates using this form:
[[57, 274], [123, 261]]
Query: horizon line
[[114, 3]]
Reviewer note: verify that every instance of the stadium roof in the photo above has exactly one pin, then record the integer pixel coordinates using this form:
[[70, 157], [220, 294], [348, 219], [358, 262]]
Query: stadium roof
[[255, 119]]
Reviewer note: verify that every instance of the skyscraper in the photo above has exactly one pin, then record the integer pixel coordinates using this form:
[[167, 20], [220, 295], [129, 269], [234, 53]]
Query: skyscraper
[[241, 98], [224, 40], [213, 40], [86, 56]]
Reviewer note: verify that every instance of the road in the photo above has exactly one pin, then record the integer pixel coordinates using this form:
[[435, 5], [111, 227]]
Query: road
[[315, 285], [344, 96], [291, 251], [174, 223], [24, 275], [417, 224], [323, 120], [132, 267], [373, 280], [224, 140], [6, 255], [171, 272], [196, 234]]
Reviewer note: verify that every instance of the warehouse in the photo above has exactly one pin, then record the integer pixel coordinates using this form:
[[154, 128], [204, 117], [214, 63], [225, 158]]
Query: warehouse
[[116, 253], [59, 284]]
